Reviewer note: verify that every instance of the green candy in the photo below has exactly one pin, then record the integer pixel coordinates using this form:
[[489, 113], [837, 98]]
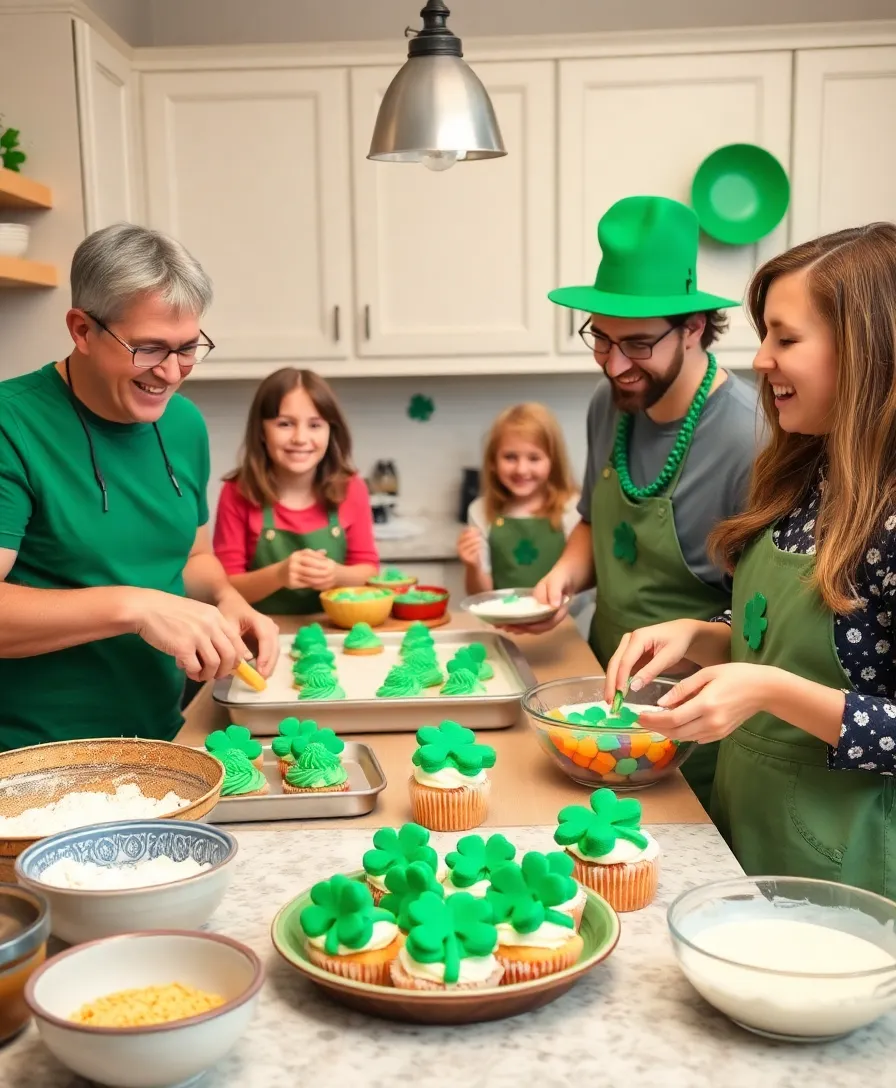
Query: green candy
[[343, 910], [595, 830], [451, 745], [420, 596], [626, 766], [449, 930]]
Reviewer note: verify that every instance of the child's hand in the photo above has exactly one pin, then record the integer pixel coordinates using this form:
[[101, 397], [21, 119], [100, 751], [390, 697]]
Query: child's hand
[[316, 570], [469, 547]]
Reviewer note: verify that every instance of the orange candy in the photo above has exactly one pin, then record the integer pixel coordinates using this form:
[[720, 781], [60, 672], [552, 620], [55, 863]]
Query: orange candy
[[641, 743], [656, 751], [603, 763]]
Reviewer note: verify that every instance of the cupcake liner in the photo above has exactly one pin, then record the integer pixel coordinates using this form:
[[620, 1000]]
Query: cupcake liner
[[627, 886], [259, 761], [283, 766], [523, 964], [401, 980], [341, 788], [377, 894], [576, 913], [372, 967], [458, 809]]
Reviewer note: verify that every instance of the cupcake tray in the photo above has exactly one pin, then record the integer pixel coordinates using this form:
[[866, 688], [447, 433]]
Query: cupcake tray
[[366, 782], [360, 676]]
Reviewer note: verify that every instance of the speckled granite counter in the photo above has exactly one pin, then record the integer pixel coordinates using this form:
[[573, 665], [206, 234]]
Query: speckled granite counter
[[634, 1021]]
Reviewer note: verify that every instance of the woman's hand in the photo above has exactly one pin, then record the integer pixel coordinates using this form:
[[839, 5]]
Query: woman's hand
[[550, 590], [713, 702], [259, 632], [644, 654], [470, 545]]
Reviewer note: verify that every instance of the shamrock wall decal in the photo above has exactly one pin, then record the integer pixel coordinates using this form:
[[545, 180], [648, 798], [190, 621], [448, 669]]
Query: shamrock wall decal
[[10, 155], [343, 910], [475, 858], [390, 847], [625, 543], [451, 745], [447, 930], [420, 408], [406, 883], [525, 553], [234, 736], [755, 623], [595, 830]]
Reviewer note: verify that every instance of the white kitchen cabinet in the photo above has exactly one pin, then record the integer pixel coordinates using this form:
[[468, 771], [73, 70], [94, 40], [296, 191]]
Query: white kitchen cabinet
[[642, 125], [459, 262], [844, 154], [250, 170], [107, 112]]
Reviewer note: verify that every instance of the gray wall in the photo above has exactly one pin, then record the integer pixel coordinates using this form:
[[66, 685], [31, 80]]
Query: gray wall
[[235, 22]]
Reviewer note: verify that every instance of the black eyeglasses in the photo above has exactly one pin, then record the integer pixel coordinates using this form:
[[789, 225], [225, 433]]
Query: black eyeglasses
[[637, 350], [148, 356]]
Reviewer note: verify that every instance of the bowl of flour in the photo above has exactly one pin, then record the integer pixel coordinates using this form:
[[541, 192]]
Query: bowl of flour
[[49, 788]]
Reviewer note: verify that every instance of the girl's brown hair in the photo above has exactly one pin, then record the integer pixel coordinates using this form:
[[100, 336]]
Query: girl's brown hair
[[851, 278], [537, 425], [255, 476]]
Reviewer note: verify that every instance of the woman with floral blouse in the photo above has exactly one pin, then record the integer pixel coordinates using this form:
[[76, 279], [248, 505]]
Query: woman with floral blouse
[[801, 683]]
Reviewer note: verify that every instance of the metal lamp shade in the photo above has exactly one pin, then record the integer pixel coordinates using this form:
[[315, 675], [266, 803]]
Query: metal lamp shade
[[435, 104]]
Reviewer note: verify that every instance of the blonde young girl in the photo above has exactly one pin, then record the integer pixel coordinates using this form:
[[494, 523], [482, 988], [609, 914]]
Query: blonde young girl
[[294, 519], [518, 526]]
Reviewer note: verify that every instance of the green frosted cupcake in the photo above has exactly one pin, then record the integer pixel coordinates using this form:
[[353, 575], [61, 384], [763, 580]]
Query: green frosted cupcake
[[362, 641], [316, 770], [241, 777]]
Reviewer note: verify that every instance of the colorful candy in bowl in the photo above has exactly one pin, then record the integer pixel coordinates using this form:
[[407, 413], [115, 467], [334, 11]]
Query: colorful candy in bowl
[[576, 728]]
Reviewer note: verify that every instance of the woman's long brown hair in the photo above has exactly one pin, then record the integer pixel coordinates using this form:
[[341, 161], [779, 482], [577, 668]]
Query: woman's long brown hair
[[851, 278], [539, 426], [255, 476]]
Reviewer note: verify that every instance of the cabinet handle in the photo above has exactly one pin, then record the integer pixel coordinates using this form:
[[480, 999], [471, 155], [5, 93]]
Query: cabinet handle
[[366, 322], [336, 324], [572, 323]]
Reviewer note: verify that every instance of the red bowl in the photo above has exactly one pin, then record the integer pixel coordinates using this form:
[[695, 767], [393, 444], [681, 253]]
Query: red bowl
[[430, 610]]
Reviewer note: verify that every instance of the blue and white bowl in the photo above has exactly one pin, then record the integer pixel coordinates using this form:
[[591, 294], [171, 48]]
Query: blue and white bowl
[[80, 914]]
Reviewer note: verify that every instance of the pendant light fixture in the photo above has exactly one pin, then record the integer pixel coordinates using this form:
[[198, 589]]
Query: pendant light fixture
[[436, 110]]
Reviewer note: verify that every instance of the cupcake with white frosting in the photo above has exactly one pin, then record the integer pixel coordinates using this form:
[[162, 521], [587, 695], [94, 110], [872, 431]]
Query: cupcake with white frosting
[[611, 852], [397, 849], [471, 864], [450, 788]]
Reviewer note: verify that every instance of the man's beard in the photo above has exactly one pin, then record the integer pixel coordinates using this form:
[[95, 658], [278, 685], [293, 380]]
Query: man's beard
[[656, 388]]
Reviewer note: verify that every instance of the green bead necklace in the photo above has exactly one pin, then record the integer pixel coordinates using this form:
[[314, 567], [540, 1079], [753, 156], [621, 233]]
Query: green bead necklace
[[679, 449]]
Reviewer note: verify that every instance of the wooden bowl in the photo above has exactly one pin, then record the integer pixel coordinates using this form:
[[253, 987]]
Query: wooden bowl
[[431, 610], [599, 930], [36, 776], [346, 614]]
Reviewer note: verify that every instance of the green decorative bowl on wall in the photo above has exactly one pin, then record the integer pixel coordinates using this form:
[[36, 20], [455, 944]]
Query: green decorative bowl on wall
[[740, 193]]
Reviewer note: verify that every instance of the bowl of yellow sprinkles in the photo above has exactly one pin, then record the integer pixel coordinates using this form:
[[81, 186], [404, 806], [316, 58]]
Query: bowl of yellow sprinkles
[[146, 1010]]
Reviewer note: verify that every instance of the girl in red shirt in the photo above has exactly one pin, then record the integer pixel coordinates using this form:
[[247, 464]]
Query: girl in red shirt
[[294, 519]]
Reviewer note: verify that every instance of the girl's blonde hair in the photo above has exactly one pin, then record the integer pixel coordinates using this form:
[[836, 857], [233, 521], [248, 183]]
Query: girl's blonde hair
[[538, 425], [851, 279], [255, 476]]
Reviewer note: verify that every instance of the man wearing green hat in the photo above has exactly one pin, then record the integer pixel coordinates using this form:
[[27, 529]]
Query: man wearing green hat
[[671, 437]]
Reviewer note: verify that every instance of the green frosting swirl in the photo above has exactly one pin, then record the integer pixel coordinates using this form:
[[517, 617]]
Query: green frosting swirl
[[462, 682], [359, 594], [401, 683], [362, 637], [309, 638], [321, 685], [426, 665], [302, 673], [474, 658], [390, 575], [240, 776], [418, 636], [315, 768], [420, 596]]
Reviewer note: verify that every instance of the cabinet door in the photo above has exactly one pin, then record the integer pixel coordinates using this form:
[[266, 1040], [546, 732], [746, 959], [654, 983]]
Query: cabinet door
[[844, 154], [106, 113], [249, 169], [642, 125], [458, 262]]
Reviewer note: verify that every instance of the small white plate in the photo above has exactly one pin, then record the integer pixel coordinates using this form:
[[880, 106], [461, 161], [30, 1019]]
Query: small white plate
[[486, 607]]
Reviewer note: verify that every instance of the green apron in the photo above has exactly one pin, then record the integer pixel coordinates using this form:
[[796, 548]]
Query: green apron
[[275, 544], [781, 809], [642, 580], [523, 550]]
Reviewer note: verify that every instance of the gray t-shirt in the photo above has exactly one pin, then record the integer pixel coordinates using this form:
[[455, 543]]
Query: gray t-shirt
[[716, 475]]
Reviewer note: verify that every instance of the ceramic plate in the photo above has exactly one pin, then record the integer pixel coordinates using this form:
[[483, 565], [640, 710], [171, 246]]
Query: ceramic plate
[[600, 931], [483, 607]]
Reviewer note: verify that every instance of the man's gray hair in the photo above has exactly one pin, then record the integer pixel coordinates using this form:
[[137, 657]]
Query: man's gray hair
[[114, 266]]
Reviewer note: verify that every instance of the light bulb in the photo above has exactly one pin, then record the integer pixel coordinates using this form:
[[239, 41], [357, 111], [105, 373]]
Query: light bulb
[[440, 160]]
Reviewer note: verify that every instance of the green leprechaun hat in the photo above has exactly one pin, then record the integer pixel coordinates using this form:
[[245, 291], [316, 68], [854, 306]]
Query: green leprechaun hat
[[648, 265]]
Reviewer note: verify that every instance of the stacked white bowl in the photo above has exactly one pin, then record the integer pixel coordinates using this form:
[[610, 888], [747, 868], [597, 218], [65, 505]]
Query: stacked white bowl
[[13, 239]]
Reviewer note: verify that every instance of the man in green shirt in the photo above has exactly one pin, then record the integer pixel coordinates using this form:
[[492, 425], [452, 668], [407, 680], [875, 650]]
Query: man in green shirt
[[109, 589]]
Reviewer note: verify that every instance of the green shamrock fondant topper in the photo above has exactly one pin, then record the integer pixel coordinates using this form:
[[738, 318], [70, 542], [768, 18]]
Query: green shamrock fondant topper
[[625, 543], [525, 553], [420, 408], [595, 831], [451, 745], [597, 716], [448, 930], [234, 736], [326, 737], [288, 730], [343, 910], [390, 847], [755, 623], [406, 883], [525, 895], [475, 858]]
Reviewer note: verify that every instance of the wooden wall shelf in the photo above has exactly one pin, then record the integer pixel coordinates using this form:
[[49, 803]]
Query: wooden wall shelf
[[17, 272], [19, 191]]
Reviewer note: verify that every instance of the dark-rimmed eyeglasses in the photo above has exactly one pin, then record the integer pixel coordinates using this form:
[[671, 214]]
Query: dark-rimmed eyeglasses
[[637, 350], [149, 356]]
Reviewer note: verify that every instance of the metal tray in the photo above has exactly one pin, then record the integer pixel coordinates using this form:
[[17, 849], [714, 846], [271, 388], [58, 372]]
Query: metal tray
[[362, 712], [365, 778]]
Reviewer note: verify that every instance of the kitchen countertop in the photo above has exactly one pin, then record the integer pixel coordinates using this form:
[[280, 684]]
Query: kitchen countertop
[[632, 1021], [437, 542]]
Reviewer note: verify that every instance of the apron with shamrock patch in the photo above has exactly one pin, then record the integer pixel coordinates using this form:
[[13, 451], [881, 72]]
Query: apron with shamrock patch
[[276, 544], [778, 805], [523, 550], [642, 579]]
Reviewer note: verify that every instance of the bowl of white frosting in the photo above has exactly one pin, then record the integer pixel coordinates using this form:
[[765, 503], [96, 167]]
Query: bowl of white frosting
[[786, 957], [509, 607], [132, 875]]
